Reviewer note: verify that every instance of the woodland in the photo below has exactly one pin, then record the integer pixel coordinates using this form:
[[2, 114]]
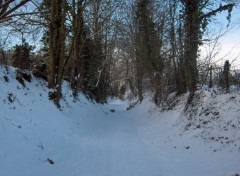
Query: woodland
[[110, 48], [119, 88]]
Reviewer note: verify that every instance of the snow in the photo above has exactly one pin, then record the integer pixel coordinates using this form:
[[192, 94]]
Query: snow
[[88, 139]]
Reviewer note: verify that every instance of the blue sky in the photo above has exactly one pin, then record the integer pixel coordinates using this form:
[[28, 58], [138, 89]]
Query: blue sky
[[229, 44]]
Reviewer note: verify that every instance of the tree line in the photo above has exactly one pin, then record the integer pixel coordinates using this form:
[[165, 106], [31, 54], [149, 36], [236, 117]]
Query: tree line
[[107, 47]]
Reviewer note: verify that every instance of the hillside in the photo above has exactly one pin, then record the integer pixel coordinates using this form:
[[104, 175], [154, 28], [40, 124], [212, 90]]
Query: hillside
[[88, 139]]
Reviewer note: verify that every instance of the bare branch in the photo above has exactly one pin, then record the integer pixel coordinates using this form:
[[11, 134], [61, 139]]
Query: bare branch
[[5, 11], [221, 8]]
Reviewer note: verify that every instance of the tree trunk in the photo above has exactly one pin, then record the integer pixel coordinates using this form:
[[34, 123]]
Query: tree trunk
[[61, 41], [226, 74], [52, 57], [192, 30], [56, 47], [77, 47], [210, 78], [182, 85]]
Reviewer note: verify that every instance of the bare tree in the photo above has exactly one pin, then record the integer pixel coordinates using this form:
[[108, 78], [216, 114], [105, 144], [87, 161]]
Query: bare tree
[[195, 21], [56, 47]]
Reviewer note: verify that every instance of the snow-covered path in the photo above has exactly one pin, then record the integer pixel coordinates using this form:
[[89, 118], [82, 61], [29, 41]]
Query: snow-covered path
[[115, 148], [134, 143], [87, 139]]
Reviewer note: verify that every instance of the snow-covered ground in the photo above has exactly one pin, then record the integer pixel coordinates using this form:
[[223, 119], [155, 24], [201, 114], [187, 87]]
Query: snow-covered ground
[[87, 139]]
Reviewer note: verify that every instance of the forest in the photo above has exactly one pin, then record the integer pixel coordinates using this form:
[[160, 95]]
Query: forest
[[107, 48], [119, 88]]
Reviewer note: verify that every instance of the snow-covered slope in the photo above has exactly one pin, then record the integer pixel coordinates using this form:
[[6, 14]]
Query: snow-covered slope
[[88, 139]]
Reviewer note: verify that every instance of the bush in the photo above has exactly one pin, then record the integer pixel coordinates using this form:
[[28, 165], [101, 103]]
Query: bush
[[21, 56]]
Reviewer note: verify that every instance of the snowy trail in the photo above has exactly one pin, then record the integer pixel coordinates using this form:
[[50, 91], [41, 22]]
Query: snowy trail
[[129, 143], [115, 148], [129, 155], [88, 139]]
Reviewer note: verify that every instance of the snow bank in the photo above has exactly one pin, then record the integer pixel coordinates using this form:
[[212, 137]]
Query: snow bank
[[88, 139]]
